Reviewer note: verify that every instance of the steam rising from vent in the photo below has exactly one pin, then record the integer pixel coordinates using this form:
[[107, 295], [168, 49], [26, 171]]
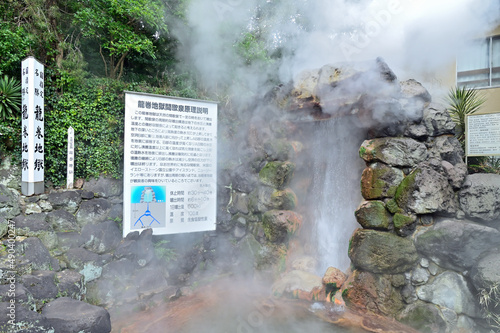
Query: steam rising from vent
[[412, 36], [244, 48]]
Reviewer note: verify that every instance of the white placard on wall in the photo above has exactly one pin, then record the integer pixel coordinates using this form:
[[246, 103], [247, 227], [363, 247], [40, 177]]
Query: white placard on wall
[[482, 133], [170, 164]]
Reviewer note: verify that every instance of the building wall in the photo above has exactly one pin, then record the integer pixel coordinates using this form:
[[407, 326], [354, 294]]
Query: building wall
[[492, 94]]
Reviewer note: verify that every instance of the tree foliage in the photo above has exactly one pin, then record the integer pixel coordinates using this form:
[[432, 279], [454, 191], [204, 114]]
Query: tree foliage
[[121, 27]]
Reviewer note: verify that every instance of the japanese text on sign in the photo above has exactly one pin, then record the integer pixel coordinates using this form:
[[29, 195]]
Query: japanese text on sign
[[32, 113], [170, 164], [483, 134]]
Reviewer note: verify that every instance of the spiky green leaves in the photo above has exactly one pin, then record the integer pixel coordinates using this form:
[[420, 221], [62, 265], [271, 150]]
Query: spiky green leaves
[[10, 97]]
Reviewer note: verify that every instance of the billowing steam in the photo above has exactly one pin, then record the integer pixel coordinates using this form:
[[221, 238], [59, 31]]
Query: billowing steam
[[246, 47]]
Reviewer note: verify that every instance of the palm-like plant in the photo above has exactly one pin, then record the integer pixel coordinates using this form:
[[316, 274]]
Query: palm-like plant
[[10, 97], [463, 101]]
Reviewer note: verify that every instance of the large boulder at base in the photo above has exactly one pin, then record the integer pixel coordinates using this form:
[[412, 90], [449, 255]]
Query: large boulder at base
[[479, 197], [437, 120], [486, 272], [301, 285], [372, 292], [450, 290], [104, 187], [379, 180], [426, 191], [456, 244], [400, 152], [278, 224], [381, 252], [68, 315], [424, 317]]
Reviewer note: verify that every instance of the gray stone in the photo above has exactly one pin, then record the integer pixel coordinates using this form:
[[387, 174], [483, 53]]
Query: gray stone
[[62, 220], [32, 208], [447, 148], [416, 131], [69, 240], [425, 191], [259, 199], [101, 238], [26, 320], [70, 284], [9, 202], [486, 271], [239, 204], [36, 255], [93, 211], [450, 290], [412, 89], [31, 225], [456, 244], [437, 120], [67, 200], [400, 152], [380, 181], [419, 276], [41, 284], [150, 281], [423, 317], [45, 205], [68, 315], [104, 187], [456, 174], [382, 252], [87, 263], [479, 197]]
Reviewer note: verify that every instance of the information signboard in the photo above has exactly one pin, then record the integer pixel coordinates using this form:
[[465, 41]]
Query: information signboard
[[170, 164], [482, 134]]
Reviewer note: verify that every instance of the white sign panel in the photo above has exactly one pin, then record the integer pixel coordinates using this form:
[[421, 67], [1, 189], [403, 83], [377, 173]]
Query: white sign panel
[[483, 134], [32, 75], [170, 166], [70, 174]]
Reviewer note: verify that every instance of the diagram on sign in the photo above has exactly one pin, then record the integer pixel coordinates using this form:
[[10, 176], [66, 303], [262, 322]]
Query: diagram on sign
[[148, 207]]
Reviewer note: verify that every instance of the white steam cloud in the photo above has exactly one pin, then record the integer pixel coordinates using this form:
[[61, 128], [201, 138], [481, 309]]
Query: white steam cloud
[[412, 36]]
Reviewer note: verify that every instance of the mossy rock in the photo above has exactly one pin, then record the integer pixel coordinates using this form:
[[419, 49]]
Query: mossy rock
[[402, 223], [423, 317], [283, 199], [277, 174], [380, 181], [278, 224], [373, 215], [382, 252]]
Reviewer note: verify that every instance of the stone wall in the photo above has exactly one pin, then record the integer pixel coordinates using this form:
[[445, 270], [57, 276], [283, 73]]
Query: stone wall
[[430, 235]]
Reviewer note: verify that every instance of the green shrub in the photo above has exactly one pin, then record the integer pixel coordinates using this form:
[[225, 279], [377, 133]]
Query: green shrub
[[10, 97]]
